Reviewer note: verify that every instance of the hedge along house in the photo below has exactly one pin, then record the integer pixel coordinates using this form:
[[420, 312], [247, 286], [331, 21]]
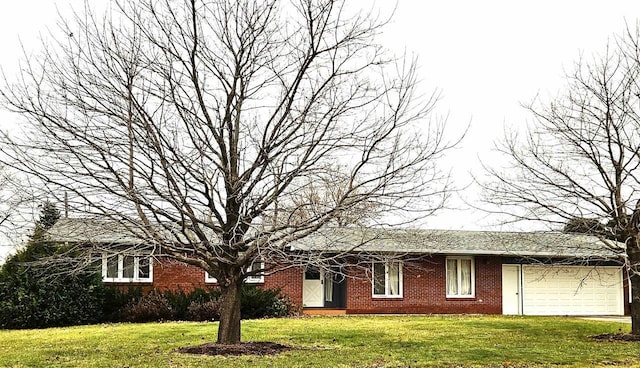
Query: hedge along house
[[400, 271]]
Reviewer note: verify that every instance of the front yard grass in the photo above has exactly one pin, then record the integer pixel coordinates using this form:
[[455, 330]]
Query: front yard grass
[[351, 341]]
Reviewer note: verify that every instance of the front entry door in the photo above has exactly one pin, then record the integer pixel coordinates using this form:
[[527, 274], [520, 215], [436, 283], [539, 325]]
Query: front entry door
[[511, 289], [313, 289]]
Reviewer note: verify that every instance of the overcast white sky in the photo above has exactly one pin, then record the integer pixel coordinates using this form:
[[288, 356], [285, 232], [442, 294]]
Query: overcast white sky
[[490, 56], [485, 56]]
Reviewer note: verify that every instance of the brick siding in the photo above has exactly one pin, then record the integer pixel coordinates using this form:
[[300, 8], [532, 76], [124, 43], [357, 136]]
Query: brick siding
[[424, 287], [169, 274], [174, 275], [289, 281], [424, 290]]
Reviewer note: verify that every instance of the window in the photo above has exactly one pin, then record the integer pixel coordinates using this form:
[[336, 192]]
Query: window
[[328, 287], [209, 278], [127, 268], [255, 266], [255, 279], [460, 277], [387, 279]]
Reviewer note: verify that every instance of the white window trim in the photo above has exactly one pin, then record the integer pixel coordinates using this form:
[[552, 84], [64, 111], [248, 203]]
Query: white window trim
[[459, 278], [209, 279], [248, 280], [387, 287], [136, 268]]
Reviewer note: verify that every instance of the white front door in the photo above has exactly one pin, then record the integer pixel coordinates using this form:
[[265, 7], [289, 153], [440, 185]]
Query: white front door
[[312, 289], [511, 289]]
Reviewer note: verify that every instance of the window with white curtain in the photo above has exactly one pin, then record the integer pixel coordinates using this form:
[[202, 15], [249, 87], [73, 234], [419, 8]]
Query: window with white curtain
[[460, 277], [328, 287], [387, 279]]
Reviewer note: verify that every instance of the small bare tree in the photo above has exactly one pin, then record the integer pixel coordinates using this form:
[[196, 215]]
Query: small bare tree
[[578, 167], [198, 124]]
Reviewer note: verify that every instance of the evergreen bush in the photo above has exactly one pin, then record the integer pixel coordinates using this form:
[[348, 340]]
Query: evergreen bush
[[115, 301], [36, 292]]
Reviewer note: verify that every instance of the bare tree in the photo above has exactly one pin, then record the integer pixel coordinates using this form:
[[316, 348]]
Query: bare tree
[[317, 196], [18, 207], [578, 166], [200, 126]]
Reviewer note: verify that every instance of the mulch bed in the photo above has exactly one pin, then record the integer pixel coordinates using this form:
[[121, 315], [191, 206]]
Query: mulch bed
[[616, 337], [243, 348]]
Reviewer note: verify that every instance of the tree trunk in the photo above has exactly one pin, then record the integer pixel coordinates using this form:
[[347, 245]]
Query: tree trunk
[[635, 304], [229, 328], [633, 251]]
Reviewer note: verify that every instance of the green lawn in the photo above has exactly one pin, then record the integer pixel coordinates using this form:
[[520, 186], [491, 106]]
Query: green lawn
[[359, 341]]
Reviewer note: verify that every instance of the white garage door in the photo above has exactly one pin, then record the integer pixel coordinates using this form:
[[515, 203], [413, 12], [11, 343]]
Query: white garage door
[[565, 290]]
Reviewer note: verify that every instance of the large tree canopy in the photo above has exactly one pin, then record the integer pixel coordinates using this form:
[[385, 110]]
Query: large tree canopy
[[220, 131], [577, 167]]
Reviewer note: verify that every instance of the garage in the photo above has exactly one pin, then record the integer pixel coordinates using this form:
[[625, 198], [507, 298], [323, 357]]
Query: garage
[[562, 290]]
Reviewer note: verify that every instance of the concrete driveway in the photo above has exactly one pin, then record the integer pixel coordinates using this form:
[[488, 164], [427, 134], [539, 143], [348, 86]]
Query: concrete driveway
[[620, 319]]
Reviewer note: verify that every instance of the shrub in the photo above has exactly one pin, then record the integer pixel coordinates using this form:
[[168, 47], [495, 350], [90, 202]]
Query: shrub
[[116, 299], [199, 305], [256, 302], [204, 311], [181, 301], [39, 289], [282, 306], [151, 307], [29, 299]]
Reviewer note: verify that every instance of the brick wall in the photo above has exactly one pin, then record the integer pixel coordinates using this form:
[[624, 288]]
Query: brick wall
[[424, 290], [174, 275], [289, 281], [424, 287], [170, 275]]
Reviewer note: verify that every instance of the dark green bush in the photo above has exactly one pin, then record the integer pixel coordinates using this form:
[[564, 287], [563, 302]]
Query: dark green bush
[[282, 306], [181, 301], [37, 297], [255, 301], [38, 288], [116, 299]]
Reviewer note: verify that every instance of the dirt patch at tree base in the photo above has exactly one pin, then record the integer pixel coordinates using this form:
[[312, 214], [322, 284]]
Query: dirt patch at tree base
[[243, 348], [616, 337]]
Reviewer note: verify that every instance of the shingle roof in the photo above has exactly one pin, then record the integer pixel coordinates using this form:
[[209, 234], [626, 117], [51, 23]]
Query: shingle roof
[[459, 242], [375, 240], [83, 230]]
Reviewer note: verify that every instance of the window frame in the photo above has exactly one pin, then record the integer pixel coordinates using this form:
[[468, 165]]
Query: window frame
[[387, 285], [255, 279], [120, 267], [459, 260]]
